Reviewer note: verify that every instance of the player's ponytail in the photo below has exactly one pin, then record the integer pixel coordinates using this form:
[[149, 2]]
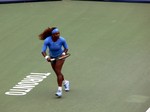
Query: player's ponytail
[[46, 33]]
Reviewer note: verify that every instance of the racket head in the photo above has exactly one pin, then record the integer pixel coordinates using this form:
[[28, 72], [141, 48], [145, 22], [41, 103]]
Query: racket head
[[65, 56]]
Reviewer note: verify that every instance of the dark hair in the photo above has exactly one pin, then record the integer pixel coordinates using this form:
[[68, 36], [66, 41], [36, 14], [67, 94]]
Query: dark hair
[[47, 32]]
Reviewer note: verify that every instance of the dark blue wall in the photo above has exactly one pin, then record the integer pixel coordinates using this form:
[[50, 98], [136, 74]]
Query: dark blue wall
[[14, 1], [130, 1]]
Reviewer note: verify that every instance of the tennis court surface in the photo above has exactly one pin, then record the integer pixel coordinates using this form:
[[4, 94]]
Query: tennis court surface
[[109, 66]]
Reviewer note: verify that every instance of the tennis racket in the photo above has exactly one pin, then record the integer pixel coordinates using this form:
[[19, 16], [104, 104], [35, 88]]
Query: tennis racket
[[62, 57]]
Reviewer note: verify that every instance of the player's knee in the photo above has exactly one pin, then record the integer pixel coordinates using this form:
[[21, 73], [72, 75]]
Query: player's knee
[[58, 72]]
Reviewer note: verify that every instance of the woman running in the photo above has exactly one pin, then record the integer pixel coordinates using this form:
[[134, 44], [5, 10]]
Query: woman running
[[57, 47]]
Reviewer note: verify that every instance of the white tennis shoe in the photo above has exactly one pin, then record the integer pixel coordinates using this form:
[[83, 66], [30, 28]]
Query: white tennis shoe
[[67, 86], [59, 93]]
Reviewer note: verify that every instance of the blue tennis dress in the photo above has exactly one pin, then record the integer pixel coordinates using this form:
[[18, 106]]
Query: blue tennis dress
[[55, 48]]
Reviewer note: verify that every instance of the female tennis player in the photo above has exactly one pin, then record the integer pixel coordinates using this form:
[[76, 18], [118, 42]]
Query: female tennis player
[[57, 47]]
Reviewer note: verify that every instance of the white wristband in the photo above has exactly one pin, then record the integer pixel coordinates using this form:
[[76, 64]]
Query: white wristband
[[63, 53], [46, 57]]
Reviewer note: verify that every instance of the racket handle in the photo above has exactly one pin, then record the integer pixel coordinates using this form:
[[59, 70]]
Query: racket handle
[[53, 59]]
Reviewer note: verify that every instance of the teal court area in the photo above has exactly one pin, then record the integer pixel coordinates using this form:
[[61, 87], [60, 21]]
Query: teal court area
[[109, 66]]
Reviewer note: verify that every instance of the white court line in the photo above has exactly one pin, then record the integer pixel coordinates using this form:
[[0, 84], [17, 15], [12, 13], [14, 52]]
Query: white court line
[[148, 110]]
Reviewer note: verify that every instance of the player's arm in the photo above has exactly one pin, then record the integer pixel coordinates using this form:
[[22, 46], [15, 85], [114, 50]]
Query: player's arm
[[65, 47], [65, 51], [44, 48], [46, 56]]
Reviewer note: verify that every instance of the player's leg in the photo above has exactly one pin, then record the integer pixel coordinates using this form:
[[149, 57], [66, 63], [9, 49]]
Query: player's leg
[[57, 67]]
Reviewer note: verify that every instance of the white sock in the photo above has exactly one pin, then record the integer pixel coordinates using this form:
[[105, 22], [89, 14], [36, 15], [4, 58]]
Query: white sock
[[59, 88]]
